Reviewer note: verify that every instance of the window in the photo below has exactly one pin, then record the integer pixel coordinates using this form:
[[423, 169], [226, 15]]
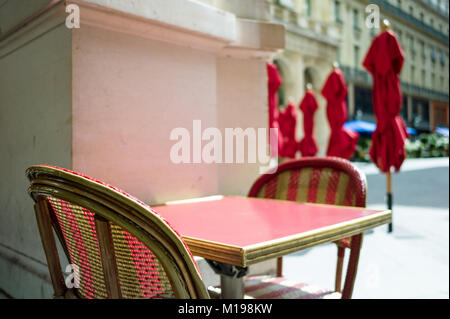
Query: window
[[425, 111], [356, 55], [411, 46], [363, 104], [404, 110], [422, 50], [433, 80], [423, 78], [337, 11], [308, 8], [421, 112], [421, 17], [399, 3], [413, 73], [411, 10], [432, 22], [442, 58], [433, 55], [355, 19]]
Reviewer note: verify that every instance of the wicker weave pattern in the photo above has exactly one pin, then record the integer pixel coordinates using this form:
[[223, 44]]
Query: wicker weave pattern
[[126, 195], [78, 229], [141, 276], [311, 185], [148, 279]]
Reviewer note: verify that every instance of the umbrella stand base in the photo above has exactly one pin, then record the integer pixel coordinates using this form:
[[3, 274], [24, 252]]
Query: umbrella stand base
[[389, 206]]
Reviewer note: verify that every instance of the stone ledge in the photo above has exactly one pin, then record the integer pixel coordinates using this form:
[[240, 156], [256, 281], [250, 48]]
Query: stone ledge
[[193, 24], [259, 35], [256, 39], [161, 25], [189, 15]]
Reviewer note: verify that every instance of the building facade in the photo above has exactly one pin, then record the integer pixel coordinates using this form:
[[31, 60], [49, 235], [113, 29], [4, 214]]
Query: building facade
[[311, 45], [422, 28], [320, 32]]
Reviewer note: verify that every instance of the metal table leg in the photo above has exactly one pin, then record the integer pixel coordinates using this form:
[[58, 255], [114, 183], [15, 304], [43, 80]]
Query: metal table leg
[[232, 287], [231, 279]]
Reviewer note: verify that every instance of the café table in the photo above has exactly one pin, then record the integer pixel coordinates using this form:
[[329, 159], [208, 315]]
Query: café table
[[232, 233]]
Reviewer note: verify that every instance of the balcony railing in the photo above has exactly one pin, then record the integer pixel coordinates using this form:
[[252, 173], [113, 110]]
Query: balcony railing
[[364, 78], [357, 75], [420, 91], [435, 7], [384, 4], [286, 14]]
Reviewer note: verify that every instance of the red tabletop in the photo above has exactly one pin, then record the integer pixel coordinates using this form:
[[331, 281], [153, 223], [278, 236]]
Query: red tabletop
[[248, 222]]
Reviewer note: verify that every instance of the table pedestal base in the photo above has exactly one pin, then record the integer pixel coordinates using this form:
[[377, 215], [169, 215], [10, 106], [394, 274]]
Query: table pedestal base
[[231, 279]]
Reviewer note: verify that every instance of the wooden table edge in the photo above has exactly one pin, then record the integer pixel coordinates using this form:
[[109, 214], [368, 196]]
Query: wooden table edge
[[247, 255]]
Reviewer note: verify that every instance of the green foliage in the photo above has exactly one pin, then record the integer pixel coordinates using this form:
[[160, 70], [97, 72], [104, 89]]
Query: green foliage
[[362, 149], [428, 145], [425, 145]]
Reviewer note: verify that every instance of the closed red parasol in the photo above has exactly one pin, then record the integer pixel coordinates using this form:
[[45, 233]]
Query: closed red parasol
[[342, 142], [287, 120], [308, 105], [274, 82], [384, 61]]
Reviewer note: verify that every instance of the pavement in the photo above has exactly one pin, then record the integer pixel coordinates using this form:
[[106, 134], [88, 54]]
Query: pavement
[[410, 263]]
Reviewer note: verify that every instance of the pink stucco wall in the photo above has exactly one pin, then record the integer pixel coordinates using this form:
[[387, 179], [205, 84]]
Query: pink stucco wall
[[128, 94]]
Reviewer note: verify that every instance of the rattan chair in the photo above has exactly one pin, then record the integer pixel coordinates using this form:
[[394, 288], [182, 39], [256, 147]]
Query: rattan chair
[[120, 247], [327, 180]]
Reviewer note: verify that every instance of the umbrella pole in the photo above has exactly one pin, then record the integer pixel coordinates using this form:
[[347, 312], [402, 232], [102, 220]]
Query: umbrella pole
[[389, 197]]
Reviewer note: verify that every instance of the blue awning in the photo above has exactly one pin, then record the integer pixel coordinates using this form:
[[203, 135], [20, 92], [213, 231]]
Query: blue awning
[[411, 131], [365, 128]]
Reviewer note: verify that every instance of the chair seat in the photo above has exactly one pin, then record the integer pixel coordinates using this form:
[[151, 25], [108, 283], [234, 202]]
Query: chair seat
[[267, 287]]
